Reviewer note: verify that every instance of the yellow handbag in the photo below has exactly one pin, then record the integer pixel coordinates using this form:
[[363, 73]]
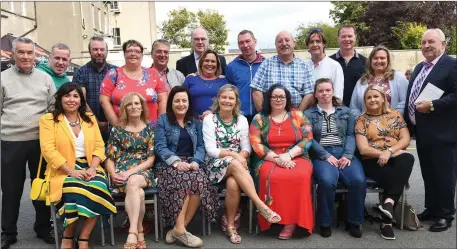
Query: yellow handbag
[[40, 187]]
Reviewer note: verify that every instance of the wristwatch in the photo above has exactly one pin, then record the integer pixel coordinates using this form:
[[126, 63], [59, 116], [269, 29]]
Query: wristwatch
[[391, 151]]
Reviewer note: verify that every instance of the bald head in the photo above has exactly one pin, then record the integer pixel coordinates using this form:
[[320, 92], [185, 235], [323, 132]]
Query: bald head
[[433, 44], [200, 40], [285, 44]]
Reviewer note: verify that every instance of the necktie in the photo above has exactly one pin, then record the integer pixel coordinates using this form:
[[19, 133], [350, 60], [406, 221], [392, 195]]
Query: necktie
[[417, 87]]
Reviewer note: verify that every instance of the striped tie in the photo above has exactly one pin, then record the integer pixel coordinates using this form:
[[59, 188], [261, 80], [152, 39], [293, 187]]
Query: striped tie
[[417, 87]]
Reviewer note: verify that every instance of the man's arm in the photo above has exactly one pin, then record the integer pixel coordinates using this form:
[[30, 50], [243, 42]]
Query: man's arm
[[258, 85], [306, 102], [257, 96]]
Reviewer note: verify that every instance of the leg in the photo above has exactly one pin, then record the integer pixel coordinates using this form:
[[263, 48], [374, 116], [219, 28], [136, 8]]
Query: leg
[[192, 207], [133, 204], [426, 160], [86, 230], [13, 160], [68, 235], [180, 225], [327, 179], [42, 212], [232, 200], [354, 178], [140, 220]]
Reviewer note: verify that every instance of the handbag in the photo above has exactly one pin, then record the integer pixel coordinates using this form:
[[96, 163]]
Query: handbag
[[410, 220], [40, 187]]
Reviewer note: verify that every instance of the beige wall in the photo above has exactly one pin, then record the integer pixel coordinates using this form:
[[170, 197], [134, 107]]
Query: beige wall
[[137, 21], [14, 24]]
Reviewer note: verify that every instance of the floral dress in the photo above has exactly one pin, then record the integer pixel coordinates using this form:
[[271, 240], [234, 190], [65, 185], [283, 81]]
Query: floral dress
[[129, 149]]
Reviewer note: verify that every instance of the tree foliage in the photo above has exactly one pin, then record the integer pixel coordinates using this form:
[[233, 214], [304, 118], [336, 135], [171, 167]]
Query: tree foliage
[[330, 33], [181, 22], [409, 34]]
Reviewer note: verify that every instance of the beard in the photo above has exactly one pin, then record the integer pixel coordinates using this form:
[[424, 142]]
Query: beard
[[97, 62]]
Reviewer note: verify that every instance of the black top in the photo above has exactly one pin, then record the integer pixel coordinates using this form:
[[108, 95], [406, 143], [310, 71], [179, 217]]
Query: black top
[[352, 71], [185, 146]]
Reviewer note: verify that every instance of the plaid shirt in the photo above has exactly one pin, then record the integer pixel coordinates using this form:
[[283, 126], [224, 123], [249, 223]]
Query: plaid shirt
[[88, 77], [297, 77]]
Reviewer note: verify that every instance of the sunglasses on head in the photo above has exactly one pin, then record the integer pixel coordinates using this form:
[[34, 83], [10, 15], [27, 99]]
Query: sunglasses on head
[[315, 30]]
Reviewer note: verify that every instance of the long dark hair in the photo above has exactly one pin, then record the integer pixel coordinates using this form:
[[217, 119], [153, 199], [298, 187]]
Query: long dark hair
[[170, 114], [62, 91], [266, 109]]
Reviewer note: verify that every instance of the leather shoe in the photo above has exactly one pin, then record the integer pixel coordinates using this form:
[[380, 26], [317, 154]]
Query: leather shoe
[[48, 238], [426, 215], [440, 225], [7, 242]]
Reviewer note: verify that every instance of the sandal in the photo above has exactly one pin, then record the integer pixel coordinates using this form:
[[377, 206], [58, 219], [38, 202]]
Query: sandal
[[69, 238], [141, 244], [83, 240], [269, 215], [285, 233], [233, 235], [131, 245]]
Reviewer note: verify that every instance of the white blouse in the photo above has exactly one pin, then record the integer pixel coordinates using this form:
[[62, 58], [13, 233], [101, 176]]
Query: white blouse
[[79, 140]]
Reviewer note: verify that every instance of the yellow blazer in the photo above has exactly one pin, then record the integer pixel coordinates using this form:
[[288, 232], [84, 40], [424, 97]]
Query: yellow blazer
[[58, 147]]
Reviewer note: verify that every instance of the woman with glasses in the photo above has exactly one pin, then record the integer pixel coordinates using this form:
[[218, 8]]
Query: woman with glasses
[[281, 137], [333, 158], [132, 77]]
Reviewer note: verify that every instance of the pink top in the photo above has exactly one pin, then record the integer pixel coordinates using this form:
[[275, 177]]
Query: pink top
[[117, 84]]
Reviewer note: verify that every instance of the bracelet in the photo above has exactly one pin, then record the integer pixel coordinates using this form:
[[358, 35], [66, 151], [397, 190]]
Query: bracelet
[[290, 154]]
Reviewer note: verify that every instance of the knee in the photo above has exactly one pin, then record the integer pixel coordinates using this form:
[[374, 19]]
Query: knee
[[327, 182], [133, 184], [142, 195], [236, 166], [232, 185]]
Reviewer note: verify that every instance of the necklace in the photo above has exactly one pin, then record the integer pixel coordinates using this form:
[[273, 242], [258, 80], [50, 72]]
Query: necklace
[[74, 124], [206, 83], [279, 125]]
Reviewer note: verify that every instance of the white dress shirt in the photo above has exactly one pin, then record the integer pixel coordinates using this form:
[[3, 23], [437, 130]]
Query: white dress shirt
[[329, 68]]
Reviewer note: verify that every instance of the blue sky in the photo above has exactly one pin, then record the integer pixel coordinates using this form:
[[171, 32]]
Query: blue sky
[[265, 19]]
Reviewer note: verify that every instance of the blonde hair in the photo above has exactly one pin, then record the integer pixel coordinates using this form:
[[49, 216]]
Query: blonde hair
[[369, 72], [215, 108], [385, 105], [126, 101]]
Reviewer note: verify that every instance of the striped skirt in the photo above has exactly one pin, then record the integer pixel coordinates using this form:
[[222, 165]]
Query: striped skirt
[[86, 199]]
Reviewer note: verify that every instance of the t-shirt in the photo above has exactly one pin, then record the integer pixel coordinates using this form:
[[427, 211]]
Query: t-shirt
[[203, 92], [117, 84]]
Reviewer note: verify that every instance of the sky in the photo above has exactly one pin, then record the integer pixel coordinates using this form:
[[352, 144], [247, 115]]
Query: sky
[[264, 19]]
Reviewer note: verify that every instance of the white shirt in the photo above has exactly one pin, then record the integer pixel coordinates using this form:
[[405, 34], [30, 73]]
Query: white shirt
[[80, 151], [412, 116], [197, 59], [329, 68]]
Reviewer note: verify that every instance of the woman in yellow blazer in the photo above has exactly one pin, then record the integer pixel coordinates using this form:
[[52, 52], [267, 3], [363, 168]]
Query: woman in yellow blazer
[[72, 145]]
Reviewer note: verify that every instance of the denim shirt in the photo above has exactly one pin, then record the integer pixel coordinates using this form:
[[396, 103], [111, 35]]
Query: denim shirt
[[345, 122], [167, 138]]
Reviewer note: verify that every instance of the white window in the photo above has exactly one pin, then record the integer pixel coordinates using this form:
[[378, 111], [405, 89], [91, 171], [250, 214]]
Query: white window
[[83, 23], [114, 7], [23, 10], [105, 23], [12, 6], [117, 36]]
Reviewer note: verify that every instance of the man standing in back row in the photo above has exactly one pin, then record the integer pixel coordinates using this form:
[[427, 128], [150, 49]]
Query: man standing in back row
[[353, 63], [434, 122]]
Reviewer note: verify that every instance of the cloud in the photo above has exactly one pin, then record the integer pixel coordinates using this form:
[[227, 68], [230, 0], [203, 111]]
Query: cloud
[[264, 19]]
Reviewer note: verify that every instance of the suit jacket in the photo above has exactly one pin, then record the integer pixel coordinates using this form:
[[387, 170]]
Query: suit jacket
[[440, 125], [186, 65], [58, 146]]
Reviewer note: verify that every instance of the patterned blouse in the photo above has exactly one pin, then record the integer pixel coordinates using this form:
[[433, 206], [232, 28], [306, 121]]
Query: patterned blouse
[[260, 127], [382, 131]]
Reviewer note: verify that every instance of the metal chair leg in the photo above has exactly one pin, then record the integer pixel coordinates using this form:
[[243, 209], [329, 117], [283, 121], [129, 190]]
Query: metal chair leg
[[156, 219], [250, 215], [102, 230], [203, 223], [111, 224], [54, 221], [403, 199], [160, 220]]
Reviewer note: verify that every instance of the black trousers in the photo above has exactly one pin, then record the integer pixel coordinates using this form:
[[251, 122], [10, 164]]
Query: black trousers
[[393, 176], [15, 157], [438, 164]]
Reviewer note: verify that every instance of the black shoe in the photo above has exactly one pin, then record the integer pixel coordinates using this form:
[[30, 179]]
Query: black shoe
[[387, 232], [326, 231], [426, 215], [386, 210], [48, 237], [7, 242], [440, 225], [355, 231]]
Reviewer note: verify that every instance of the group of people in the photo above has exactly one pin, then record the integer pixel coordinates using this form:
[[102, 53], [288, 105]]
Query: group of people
[[189, 130]]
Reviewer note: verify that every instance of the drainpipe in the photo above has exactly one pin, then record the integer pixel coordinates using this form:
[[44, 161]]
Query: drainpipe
[[36, 23]]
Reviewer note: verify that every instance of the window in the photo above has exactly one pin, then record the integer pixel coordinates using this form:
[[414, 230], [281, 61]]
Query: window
[[23, 10], [99, 13], [105, 23], [114, 7], [83, 24], [12, 6], [94, 17], [117, 36]]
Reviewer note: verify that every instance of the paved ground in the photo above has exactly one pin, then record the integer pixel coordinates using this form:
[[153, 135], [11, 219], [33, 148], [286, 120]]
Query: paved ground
[[340, 239]]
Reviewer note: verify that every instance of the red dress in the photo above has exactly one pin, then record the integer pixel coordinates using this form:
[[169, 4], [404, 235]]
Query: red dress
[[290, 189]]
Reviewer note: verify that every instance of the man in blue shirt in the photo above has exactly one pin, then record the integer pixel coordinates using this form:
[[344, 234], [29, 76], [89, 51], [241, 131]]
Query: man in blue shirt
[[242, 69]]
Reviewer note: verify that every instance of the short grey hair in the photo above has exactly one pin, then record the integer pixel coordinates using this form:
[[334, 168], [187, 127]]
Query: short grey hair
[[192, 33], [440, 33], [160, 41], [24, 40], [61, 46]]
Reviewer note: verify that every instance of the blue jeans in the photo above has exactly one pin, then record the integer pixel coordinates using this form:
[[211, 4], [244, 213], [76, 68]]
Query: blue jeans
[[351, 176]]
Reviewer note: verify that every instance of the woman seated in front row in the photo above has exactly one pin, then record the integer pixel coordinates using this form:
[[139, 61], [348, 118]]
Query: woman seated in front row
[[72, 145], [281, 137], [382, 138], [130, 153], [333, 158], [182, 180], [225, 132]]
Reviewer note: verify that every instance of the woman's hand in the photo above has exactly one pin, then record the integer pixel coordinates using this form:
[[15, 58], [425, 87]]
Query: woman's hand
[[384, 157], [205, 113], [183, 166], [92, 171], [285, 162], [399, 152], [194, 166], [79, 174], [241, 159], [120, 178], [343, 162], [333, 161]]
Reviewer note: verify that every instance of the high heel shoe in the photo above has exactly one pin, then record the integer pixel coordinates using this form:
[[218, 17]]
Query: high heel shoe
[[83, 240], [69, 238]]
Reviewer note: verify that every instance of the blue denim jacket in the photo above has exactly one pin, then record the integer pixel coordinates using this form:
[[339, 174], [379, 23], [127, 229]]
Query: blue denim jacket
[[167, 138], [345, 122]]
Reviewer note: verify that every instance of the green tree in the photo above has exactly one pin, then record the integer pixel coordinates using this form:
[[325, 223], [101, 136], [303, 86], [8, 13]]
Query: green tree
[[351, 13], [215, 24], [330, 33], [178, 27], [181, 22], [409, 34]]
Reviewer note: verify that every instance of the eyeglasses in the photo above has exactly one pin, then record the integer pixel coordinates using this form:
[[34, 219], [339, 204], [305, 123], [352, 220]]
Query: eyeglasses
[[315, 30], [278, 98], [199, 39]]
